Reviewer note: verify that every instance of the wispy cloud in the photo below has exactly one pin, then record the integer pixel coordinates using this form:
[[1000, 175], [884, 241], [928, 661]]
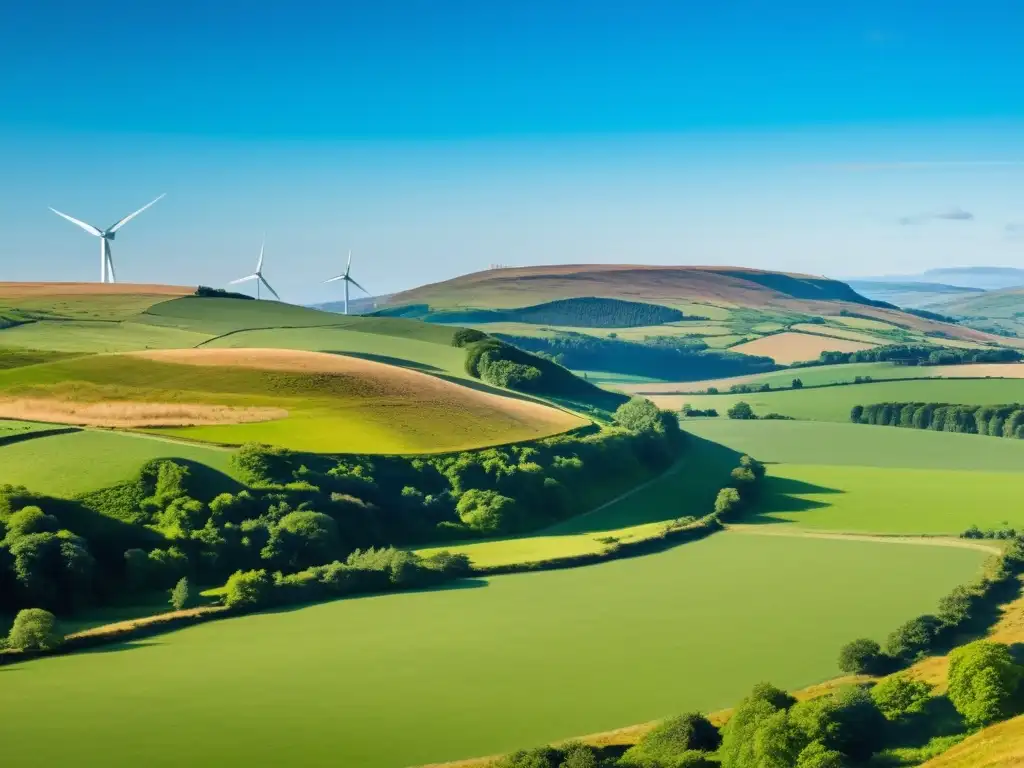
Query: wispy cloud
[[925, 165], [949, 214]]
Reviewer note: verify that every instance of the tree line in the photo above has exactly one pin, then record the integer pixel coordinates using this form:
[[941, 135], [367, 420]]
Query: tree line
[[991, 420], [587, 312], [917, 354]]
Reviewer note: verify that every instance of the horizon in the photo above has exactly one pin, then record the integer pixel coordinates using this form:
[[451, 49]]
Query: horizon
[[435, 142]]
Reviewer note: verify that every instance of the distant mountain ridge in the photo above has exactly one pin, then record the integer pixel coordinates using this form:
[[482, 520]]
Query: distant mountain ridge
[[978, 278]]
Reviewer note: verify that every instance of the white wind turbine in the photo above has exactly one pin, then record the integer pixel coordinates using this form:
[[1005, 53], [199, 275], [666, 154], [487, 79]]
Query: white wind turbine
[[348, 279], [258, 276], [106, 236]]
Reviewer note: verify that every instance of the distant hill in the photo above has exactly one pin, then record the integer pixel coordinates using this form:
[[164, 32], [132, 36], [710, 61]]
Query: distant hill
[[668, 286], [361, 306], [914, 295], [978, 278]]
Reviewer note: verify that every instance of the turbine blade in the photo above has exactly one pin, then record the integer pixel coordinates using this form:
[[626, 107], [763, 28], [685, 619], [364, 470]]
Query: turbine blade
[[259, 264], [131, 216], [264, 281], [357, 285], [349, 265], [87, 227], [244, 279], [339, 277], [110, 264]]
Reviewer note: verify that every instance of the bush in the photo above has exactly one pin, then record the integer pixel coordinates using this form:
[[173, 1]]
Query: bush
[[912, 639], [181, 595], [248, 589], [817, 755], [727, 501], [465, 336], [668, 740], [741, 410], [797, 384], [898, 696], [984, 682], [860, 657], [487, 511], [34, 630], [639, 415]]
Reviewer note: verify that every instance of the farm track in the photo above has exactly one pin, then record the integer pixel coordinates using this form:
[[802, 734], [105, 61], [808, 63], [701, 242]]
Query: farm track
[[928, 541]]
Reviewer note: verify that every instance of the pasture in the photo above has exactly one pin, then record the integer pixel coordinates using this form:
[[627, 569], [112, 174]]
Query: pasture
[[834, 403], [481, 668], [75, 463], [97, 336], [325, 403], [791, 347], [849, 477]]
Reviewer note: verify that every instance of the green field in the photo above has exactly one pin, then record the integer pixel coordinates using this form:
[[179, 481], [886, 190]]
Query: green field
[[834, 403], [422, 355], [849, 477], [13, 428], [460, 672], [70, 464], [75, 336], [385, 410]]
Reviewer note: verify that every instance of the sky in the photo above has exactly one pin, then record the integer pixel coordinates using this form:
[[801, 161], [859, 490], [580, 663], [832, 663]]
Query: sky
[[435, 137]]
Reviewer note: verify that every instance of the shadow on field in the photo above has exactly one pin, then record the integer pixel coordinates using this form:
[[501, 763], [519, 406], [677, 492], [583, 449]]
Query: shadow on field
[[401, 362], [784, 495], [125, 645], [471, 582]]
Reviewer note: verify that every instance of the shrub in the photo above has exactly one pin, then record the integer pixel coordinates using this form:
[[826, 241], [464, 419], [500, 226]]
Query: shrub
[[898, 696], [797, 384], [817, 755], [741, 410], [181, 595], [248, 589], [727, 501], [639, 415], [983, 682], [487, 511], [912, 639], [860, 657], [34, 630], [666, 741], [465, 336]]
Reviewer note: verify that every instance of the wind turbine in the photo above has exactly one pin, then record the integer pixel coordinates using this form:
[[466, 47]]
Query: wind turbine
[[106, 236], [348, 279], [258, 276]]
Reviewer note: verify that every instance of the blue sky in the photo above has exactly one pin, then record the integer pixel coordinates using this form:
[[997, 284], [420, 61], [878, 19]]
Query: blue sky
[[435, 138]]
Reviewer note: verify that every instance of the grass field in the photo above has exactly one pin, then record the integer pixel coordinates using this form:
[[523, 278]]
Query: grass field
[[834, 403], [332, 403], [70, 464], [848, 477], [789, 347], [12, 427], [999, 746], [85, 301], [96, 336], [421, 355], [519, 660], [839, 333]]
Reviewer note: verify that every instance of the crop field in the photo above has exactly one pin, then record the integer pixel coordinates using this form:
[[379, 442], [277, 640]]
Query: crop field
[[97, 336], [329, 403], [834, 403], [820, 375], [425, 356], [840, 333], [789, 347], [79, 462], [516, 660], [879, 479]]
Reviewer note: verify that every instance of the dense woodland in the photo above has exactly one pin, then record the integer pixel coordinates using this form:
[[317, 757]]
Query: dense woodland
[[589, 312], [991, 420], [296, 512], [666, 357]]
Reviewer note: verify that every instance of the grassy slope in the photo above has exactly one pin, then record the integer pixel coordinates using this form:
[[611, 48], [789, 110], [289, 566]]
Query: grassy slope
[[834, 403], [371, 413], [848, 477], [482, 654], [1000, 746], [98, 336], [71, 464]]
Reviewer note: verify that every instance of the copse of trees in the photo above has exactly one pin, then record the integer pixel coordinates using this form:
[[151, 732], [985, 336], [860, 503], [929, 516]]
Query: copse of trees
[[587, 312], [176, 520], [992, 420], [465, 336], [917, 354]]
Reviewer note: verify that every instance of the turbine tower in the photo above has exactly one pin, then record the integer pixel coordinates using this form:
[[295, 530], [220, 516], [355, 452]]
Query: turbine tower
[[348, 279], [258, 275], [106, 236]]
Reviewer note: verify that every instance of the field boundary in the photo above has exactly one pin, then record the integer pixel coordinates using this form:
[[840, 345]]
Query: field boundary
[[878, 538]]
